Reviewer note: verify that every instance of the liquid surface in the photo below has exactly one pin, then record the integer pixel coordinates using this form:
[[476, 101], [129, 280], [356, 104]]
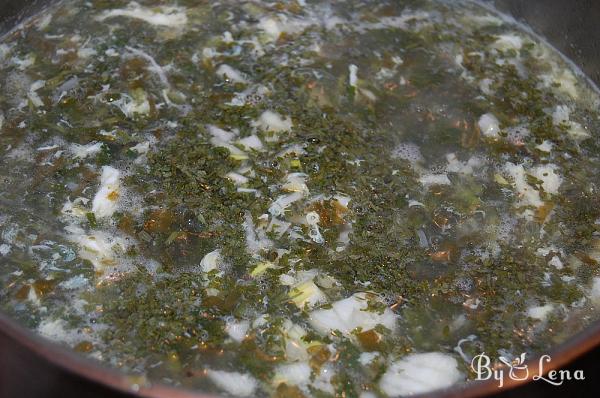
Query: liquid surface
[[295, 198]]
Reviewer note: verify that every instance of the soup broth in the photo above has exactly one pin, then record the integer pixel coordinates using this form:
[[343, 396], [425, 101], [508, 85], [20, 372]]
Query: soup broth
[[296, 199]]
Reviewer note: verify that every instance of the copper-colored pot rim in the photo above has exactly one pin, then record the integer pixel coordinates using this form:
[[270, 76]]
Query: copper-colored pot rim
[[77, 364], [69, 361]]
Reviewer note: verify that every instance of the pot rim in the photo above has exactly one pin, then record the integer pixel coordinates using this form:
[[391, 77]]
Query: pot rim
[[96, 372]]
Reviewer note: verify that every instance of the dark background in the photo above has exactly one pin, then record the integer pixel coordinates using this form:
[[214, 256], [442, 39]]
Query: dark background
[[570, 25], [590, 387]]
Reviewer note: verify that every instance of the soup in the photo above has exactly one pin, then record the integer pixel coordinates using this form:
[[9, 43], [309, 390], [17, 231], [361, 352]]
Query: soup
[[296, 199]]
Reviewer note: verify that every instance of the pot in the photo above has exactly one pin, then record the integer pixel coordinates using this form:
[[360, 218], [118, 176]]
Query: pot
[[31, 366]]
